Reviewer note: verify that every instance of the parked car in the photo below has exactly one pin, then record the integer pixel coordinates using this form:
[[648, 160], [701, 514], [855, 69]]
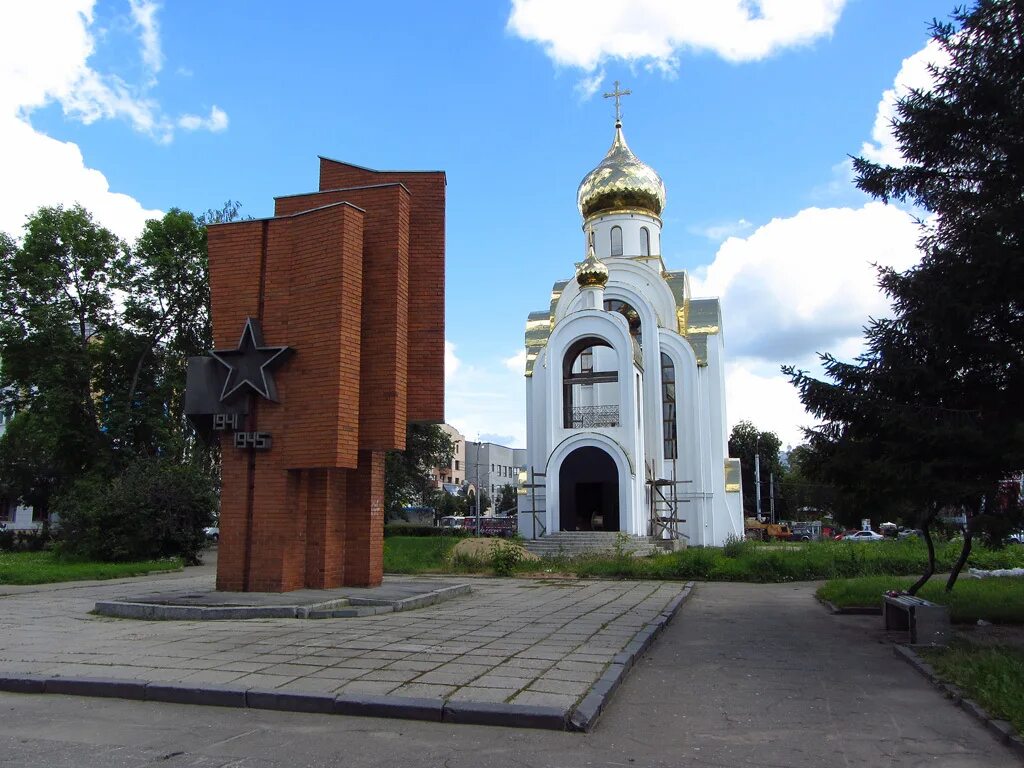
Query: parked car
[[910, 533], [864, 536], [1015, 538], [212, 533]]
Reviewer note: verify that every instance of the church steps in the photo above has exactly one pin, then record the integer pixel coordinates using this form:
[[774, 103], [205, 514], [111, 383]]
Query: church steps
[[573, 543]]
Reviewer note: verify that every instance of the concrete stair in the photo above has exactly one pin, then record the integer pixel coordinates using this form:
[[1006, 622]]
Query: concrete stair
[[573, 543]]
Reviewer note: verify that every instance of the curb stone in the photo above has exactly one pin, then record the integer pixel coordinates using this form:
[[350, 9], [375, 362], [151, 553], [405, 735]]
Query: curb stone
[[97, 686], [514, 715], [585, 715], [1001, 729]]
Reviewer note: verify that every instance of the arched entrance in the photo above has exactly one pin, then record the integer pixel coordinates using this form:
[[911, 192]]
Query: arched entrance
[[588, 495]]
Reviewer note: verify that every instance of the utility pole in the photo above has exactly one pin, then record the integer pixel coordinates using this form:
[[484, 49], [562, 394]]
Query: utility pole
[[479, 450], [771, 494], [757, 475]]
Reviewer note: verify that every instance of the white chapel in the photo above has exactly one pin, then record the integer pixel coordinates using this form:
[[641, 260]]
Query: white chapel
[[625, 383]]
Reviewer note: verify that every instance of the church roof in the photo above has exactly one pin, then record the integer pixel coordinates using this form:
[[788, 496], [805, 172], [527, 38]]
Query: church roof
[[621, 182]]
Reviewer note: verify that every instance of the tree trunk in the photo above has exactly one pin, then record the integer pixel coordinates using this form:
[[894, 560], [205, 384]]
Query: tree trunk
[[965, 552], [930, 569]]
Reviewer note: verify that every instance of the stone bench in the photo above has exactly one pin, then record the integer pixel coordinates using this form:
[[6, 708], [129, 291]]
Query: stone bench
[[927, 622]]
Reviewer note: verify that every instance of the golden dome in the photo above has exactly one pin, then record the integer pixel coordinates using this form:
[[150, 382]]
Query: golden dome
[[592, 272], [621, 182]]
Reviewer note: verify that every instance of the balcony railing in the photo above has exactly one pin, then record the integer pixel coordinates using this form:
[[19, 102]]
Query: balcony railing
[[589, 416]]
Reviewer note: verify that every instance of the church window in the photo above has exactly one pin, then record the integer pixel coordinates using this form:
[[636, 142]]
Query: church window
[[668, 407], [645, 241], [627, 311], [616, 241], [590, 398]]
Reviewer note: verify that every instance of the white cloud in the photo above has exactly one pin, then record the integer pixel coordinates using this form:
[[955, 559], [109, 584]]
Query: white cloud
[[914, 73], [719, 232], [39, 170], [585, 33], [803, 284], [144, 16], [487, 398], [216, 122], [757, 393], [45, 54], [590, 85], [795, 287]]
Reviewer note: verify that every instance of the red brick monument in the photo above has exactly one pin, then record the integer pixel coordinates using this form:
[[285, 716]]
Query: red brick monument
[[321, 316]]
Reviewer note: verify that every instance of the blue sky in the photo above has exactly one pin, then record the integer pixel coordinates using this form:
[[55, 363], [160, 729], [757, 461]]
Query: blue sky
[[748, 110]]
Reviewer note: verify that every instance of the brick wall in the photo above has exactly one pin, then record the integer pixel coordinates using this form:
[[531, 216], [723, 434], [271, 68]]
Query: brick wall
[[426, 265]]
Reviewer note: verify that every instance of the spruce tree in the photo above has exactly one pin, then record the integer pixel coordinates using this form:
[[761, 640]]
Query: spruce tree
[[929, 417]]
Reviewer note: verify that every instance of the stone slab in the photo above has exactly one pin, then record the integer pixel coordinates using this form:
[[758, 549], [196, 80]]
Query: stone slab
[[346, 602]]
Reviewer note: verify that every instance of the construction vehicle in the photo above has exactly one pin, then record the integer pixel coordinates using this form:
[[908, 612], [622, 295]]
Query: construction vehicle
[[756, 530]]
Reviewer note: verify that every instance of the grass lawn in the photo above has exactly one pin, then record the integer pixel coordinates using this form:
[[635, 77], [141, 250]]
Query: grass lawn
[[46, 567], [738, 561], [780, 562], [1000, 601], [992, 676], [418, 554]]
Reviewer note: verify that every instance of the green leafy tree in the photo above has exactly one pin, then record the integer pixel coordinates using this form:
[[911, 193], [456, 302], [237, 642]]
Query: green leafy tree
[[745, 442], [56, 302], [507, 500], [407, 474], [929, 416]]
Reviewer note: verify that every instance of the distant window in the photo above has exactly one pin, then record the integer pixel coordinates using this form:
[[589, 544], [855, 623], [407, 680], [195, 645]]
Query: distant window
[[669, 427], [492, 467], [457, 464], [645, 241], [616, 241]]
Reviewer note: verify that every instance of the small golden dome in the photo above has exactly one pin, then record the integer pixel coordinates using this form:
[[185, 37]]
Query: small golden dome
[[621, 182], [592, 272]]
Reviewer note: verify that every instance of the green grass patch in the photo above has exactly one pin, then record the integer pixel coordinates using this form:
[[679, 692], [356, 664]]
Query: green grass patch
[[47, 567], [1000, 601], [740, 561], [417, 554], [992, 676]]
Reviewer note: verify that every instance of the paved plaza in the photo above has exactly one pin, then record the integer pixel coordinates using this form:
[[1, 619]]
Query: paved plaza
[[541, 643], [746, 675]]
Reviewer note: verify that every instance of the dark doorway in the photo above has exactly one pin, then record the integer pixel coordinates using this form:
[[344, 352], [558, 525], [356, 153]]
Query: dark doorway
[[588, 484]]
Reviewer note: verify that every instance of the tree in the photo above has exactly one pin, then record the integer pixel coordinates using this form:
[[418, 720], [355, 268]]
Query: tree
[[745, 443], [507, 500], [56, 301], [407, 474], [929, 416]]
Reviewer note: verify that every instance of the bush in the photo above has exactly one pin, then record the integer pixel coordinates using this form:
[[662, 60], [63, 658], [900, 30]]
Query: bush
[[155, 509], [505, 556], [25, 541]]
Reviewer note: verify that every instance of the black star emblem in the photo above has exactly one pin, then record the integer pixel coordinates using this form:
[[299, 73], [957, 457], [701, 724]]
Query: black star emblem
[[250, 364]]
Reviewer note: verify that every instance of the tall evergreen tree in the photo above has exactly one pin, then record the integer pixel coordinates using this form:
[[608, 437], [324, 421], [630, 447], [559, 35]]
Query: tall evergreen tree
[[929, 416]]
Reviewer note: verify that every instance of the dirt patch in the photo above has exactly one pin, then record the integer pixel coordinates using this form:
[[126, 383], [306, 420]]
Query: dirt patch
[[480, 548]]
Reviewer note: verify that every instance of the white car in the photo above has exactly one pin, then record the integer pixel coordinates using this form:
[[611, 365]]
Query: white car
[[864, 536]]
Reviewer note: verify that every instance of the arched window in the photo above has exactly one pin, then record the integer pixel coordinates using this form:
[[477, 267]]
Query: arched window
[[590, 395], [627, 311], [616, 241], [645, 241], [669, 429]]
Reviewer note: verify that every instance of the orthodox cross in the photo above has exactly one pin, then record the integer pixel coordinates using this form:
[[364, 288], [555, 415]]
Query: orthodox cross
[[616, 94]]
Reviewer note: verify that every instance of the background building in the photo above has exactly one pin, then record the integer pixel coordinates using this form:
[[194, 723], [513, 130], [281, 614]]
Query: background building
[[452, 477], [491, 466]]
